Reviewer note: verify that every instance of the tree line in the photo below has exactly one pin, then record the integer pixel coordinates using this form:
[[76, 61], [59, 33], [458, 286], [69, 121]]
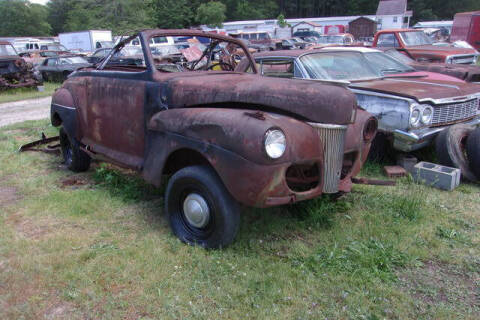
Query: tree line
[[22, 18]]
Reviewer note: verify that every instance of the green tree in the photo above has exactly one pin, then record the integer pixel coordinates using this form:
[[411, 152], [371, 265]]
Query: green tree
[[211, 14], [281, 21], [120, 16], [172, 14], [58, 11], [22, 18]]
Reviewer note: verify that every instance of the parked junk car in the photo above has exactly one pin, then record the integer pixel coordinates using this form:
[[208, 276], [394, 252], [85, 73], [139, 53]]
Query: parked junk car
[[37, 57], [14, 71], [418, 46], [58, 68], [468, 73], [129, 55], [338, 39], [306, 34], [412, 111], [224, 138]]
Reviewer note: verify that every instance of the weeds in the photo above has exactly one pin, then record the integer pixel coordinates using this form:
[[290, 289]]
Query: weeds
[[358, 258], [128, 187]]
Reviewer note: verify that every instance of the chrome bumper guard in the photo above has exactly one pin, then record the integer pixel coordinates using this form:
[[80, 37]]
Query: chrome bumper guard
[[413, 140]]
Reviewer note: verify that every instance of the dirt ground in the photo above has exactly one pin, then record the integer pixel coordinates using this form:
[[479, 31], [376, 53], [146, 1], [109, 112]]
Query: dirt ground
[[19, 111]]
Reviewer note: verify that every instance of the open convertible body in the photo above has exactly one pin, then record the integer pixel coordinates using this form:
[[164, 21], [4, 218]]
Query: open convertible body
[[224, 138]]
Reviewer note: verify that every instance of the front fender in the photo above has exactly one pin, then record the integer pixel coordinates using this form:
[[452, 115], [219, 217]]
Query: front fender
[[240, 131], [63, 111]]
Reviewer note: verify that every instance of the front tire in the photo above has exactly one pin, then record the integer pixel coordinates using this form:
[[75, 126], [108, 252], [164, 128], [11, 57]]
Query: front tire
[[450, 147], [200, 209], [74, 158], [473, 152]]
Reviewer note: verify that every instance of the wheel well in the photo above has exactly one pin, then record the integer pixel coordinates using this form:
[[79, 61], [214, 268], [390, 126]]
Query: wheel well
[[182, 158], [56, 120]]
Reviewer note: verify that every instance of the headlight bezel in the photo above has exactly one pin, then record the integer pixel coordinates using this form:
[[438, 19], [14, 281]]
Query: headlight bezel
[[421, 121], [269, 152]]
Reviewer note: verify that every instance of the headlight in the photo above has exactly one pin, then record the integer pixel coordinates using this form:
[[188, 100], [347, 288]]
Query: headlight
[[415, 117], [427, 114], [275, 143]]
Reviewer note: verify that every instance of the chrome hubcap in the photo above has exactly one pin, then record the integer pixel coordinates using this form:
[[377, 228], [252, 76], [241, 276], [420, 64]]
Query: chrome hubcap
[[196, 211]]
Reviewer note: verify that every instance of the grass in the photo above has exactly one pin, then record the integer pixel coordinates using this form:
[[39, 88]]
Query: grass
[[97, 245], [28, 93]]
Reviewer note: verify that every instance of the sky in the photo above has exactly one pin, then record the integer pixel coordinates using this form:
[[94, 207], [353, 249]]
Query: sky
[[39, 1]]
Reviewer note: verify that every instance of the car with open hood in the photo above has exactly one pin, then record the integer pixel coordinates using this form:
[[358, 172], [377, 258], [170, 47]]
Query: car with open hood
[[223, 138], [412, 108]]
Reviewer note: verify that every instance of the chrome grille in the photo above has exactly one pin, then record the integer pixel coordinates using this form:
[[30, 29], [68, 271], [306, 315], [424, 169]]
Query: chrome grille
[[454, 111], [468, 59], [333, 139]]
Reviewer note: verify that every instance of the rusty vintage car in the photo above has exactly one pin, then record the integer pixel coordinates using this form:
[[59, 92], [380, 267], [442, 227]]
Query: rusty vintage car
[[14, 71], [225, 138], [413, 111]]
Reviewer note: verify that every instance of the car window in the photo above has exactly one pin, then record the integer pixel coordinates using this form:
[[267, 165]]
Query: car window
[[387, 40], [158, 40], [100, 53], [43, 48], [73, 60], [384, 64], [399, 56], [347, 66], [52, 62], [7, 50], [262, 36], [277, 68], [416, 38]]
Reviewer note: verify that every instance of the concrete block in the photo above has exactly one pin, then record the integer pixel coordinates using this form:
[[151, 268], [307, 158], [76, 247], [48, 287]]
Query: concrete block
[[437, 176], [407, 162]]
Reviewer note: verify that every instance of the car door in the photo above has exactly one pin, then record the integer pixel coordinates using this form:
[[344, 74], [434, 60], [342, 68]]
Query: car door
[[114, 114], [49, 69]]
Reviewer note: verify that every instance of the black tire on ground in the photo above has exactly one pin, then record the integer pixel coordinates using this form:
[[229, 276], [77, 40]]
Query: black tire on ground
[[380, 149], [74, 158], [200, 209], [44, 76], [473, 152], [450, 147]]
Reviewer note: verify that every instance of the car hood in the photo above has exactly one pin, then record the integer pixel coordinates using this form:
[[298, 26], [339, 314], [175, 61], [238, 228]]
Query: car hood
[[308, 100], [418, 89], [464, 72], [447, 51]]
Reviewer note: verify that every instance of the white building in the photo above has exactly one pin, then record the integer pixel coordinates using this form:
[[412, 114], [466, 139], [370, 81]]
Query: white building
[[391, 14]]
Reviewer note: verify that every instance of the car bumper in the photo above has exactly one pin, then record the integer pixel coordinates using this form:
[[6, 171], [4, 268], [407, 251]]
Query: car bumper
[[408, 141]]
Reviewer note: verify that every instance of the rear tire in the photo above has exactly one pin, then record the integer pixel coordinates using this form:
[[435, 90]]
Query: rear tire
[[74, 158], [473, 152], [450, 147], [200, 209]]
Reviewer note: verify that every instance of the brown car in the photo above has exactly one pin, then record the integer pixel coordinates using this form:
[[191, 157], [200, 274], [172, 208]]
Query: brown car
[[418, 46], [14, 71], [224, 138]]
